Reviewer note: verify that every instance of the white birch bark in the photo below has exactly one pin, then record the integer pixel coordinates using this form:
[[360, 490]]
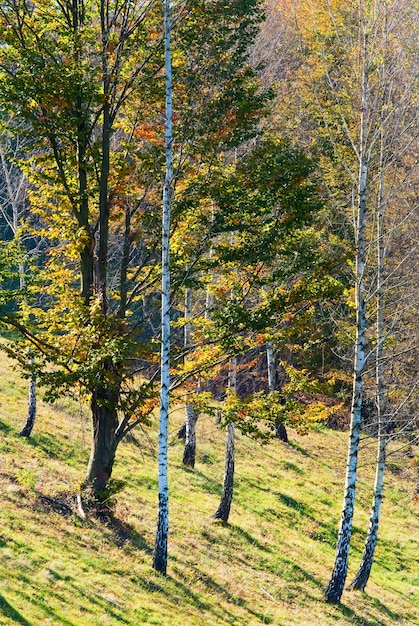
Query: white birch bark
[[209, 298], [367, 558], [160, 548], [337, 582], [191, 414], [223, 510], [31, 417]]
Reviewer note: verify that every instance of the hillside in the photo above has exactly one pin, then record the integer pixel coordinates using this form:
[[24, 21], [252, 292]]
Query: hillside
[[270, 565]]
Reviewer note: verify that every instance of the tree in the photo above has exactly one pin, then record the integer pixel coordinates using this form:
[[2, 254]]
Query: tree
[[191, 413], [337, 80], [281, 431], [397, 130], [160, 548], [269, 251], [334, 590], [96, 179], [13, 206], [224, 507], [93, 58]]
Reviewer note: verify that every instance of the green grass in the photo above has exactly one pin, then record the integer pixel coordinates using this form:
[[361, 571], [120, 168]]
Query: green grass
[[270, 565]]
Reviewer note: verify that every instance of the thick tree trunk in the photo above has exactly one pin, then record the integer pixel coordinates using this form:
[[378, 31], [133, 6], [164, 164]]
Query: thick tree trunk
[[162, 532], [223, 510], [337, 582], [105, 423], [30, 421]]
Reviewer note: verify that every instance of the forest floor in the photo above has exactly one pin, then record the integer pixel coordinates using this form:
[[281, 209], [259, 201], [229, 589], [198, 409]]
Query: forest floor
[[269, 565]]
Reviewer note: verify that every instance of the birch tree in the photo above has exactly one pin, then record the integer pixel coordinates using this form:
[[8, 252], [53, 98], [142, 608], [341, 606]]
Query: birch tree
[[13, 205], [397, 136], [337, 77], [160, 547], [334, 590], [368, 554], [224, 507], [191, 413]]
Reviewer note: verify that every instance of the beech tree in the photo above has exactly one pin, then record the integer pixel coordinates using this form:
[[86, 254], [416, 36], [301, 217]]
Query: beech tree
[[265, 247], [87, 79], [69, 70]]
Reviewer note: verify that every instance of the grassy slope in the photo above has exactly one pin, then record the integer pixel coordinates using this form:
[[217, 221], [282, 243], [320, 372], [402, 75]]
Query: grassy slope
[[270, 565]]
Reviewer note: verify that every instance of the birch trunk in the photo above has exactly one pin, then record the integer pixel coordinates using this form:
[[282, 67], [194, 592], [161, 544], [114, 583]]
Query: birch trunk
[[337, 582], [191, 414], [367, 558], [189, 452], [223, 510], [30, 420], [160, 548], [31, 416]]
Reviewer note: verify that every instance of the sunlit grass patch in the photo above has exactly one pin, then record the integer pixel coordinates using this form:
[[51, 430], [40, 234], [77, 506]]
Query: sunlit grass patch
[[269, 565]]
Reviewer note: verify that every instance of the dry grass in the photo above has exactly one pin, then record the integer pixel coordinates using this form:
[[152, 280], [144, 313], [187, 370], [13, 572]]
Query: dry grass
[[270, 565]]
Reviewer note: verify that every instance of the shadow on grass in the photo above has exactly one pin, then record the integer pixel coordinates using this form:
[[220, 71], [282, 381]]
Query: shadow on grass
[[145, 482], [208, 485], [355, 618], [51, 446], [243, 534], [215, 588], [5, 428], [295, 505], [9, 611], [45, 593], [121, 531], [44, 606], [161, 585], [288, 465], [383, 608], [300, 574], [109, 606], [299, 449]]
